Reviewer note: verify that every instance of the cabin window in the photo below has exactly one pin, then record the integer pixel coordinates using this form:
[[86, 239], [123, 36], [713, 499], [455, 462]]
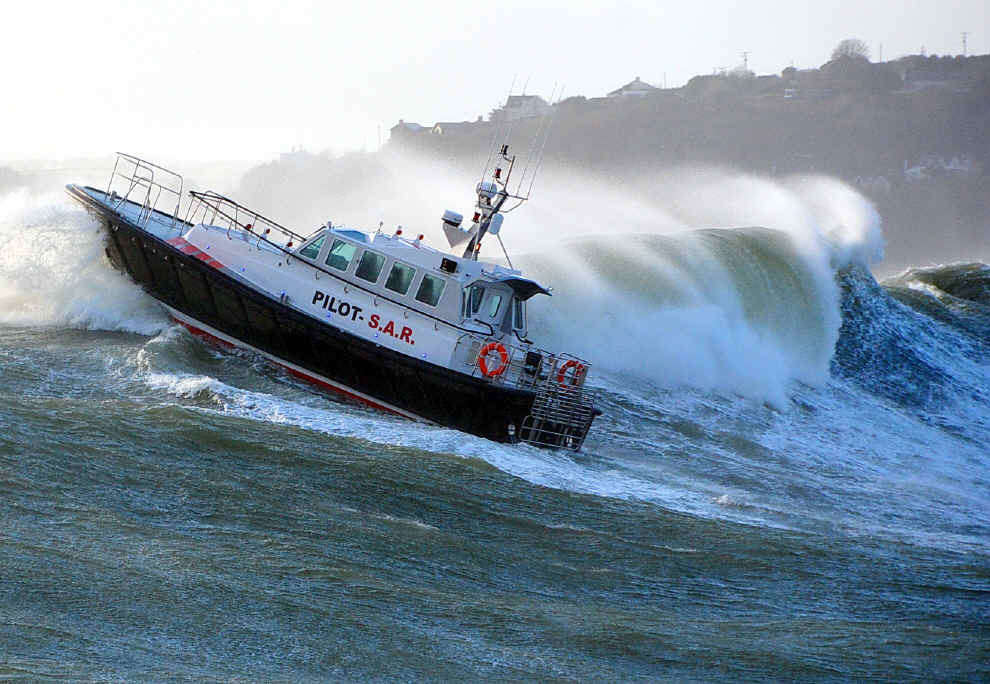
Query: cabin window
[[518, 315], [341, 254], [370, 266], [430, 289], [312, 250], [472, 300], [400, 278], [494, 304]]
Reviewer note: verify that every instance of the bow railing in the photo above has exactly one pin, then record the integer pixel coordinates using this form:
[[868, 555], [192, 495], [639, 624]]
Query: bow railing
[[146, 184]]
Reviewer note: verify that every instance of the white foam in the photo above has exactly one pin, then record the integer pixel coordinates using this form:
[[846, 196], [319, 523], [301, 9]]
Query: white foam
[[710, 311], [53, 271]]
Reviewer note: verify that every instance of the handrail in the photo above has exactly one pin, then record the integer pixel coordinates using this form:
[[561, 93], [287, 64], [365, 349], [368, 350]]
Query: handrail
[[141, 174], [203, 200], [206, 197], [517, 360]]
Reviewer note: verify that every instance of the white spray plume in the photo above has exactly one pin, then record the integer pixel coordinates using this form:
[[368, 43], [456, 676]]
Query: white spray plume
[[53, 271]]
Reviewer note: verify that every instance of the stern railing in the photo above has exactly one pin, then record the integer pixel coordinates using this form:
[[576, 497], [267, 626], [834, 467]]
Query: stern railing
[[525, 366], [562, 410]]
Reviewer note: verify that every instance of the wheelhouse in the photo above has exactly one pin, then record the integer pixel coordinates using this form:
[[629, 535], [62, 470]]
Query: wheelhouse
[[421, 278]]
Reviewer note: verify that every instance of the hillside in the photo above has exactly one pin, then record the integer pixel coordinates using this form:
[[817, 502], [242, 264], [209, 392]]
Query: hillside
[[913, 135]]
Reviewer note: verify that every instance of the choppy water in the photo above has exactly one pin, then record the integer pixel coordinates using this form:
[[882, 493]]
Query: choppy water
[[790, 480]]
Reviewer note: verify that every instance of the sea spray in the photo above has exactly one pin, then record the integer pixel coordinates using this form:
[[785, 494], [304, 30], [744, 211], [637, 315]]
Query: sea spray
[[745, 310], [748, 311], [53, 271]]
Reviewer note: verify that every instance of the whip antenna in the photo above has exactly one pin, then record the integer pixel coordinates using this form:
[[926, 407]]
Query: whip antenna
[[536, 147], [495, 131], [543, 146]]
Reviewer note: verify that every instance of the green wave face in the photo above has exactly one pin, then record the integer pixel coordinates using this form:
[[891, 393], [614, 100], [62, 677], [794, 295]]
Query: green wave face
[[750, 307]]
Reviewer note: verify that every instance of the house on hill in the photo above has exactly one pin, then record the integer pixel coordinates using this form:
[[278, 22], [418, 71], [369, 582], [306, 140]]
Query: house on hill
[[635, 88], [449, 127], [521, 107], [405, 129]]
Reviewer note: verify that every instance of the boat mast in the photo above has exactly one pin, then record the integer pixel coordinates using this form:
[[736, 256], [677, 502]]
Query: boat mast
[[491, 196]]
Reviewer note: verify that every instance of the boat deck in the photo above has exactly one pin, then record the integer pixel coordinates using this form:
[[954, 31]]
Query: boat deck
[[159, 224]]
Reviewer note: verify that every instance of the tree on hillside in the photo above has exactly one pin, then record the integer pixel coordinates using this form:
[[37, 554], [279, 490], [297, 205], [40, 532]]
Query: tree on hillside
[[851, 47]]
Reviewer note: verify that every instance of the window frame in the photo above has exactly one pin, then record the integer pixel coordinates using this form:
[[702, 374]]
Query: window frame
[[412, 278], [494, 298], [381, 266], [318, 241], [347, 243], [443, 289], [518, 311]]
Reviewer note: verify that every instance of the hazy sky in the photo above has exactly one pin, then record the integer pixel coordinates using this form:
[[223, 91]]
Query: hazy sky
[[212, 80]]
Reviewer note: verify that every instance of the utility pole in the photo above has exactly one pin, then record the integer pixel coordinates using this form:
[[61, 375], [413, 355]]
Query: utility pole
[[745, 56], [964, 34]]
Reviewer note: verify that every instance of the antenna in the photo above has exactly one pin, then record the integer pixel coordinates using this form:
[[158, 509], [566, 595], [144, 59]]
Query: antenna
[[496, 130], [536, 138], [543, 145], [493, 193], [745, 56]]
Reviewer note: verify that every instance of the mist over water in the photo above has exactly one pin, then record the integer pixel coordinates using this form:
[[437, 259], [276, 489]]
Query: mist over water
[[792, 458]]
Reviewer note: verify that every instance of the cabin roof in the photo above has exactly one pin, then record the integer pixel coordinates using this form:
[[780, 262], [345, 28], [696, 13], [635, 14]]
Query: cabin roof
[[421, 255]]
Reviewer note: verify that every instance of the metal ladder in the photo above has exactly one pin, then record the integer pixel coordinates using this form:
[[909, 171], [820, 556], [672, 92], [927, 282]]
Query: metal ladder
[[560, 417]]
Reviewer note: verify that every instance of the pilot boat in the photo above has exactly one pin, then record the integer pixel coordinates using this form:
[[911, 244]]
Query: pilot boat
[[382, 318]]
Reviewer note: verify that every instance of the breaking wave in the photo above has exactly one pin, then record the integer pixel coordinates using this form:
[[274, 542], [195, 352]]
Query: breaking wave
[[53, 271], [744, 310]]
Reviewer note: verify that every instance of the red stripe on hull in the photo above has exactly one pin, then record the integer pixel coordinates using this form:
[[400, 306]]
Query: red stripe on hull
[[205, 335], [292, 371], [189, 248]]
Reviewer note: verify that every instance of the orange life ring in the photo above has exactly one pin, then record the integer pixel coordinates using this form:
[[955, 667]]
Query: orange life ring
[[562, 374], [503, 358]]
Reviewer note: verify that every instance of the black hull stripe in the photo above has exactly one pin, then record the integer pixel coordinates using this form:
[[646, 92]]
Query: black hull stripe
[[201, 329]]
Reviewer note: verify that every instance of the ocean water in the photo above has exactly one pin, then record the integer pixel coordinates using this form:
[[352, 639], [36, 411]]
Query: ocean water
[[791, 479]]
